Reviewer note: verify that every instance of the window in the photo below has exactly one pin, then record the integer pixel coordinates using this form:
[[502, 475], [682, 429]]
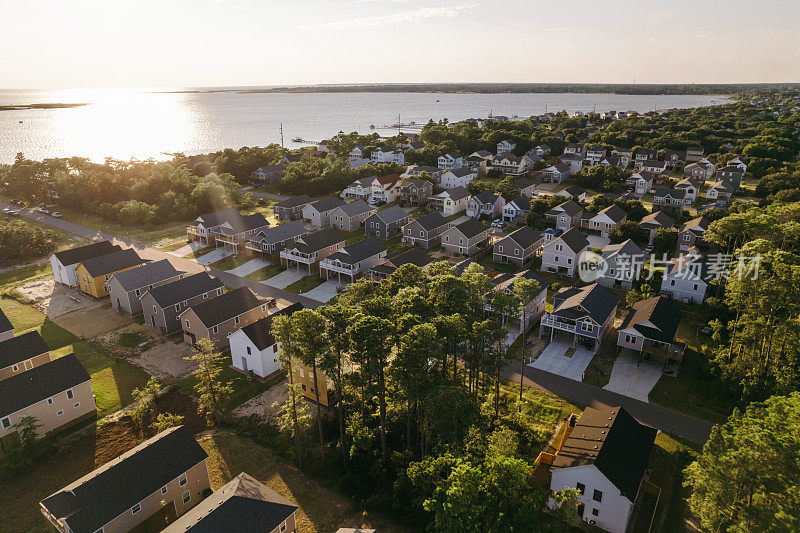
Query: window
[[274, 348], [137, 292], [421, 234], [586, 326], [182, 479], [15, 368], [136, 508], [595, 512], [205, 295], [249, 352], [236, 320], [569, 260], [6, 423], [187, 324], [164, 489], [61, 412], [695, 286], [499, 248], [672, 283], [70, 395], [516, 251], [598, 495], [263, 308], [283, 527], [76, 405], [49, 401], [187, 496], [581, 488], [215, 329], [628, 339]]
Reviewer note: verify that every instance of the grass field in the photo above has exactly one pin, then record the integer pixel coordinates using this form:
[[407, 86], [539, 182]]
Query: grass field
[[243, 389], [265, 273], [143, 234], [11, 279], [173, 246], [305, 284]]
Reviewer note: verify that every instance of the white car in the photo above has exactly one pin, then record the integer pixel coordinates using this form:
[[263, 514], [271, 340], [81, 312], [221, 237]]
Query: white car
[[56, 214], [7, 210], [497, 223]]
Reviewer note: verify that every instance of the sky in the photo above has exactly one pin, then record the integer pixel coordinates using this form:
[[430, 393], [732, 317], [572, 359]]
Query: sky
[[57, 44]]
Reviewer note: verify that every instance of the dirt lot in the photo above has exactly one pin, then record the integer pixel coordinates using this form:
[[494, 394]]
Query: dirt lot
[[56, 300], [90, 323], [166, 361], [261, 405]]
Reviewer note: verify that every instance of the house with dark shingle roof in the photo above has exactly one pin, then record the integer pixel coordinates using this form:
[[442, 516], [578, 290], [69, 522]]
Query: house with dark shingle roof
[[415, 191], [206, 228], [655, 221], [485, 203], [162, 305], [218, 317], [154, 483], [557, 173], [604, 454], [518, 247], [57, 393], [95, 274], [691, 233], [425, 231], [319, 213], [254, 348], [457, 177], [234, 233], [6, 327], [243, 505], [21, 353], [291, 208], [309, 249], [733, 174], [505, 283], [565, 216], [686, 278], [414, 256], [516, 209], [65, 262], [606, 220], [671, 201], [127, 287], [353, 261], [466, 238], [650, 328], [350, 217], [624, 263], [560, 254], [582, 316], [386, 223], [269, 173], [272, 240], [450, 201]]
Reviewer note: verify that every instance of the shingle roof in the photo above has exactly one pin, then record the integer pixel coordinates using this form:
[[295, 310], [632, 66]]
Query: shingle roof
[[295, 201], [216, 218], [83, 253], [92, 501], [243, 505], [40, 382], [570, 208], [523, 203], [431, 221], [485, 197], [149, 274], [614, 212], [357, 251], [461, 172], [5, 323], [662, 192], [471, 227], [505, 281], [355, 208], [244, 223], [281, 232], [184, 289], [260, 331], [574, 190], [21, 348], [391, 214], [416, 256], [226, 306], [457, 193], [313, 242], [524, 236], [597, 302], [614, 442], [113, 262], [658, 217], [655, 318], [574, 239], [699, 222], [327, 204]]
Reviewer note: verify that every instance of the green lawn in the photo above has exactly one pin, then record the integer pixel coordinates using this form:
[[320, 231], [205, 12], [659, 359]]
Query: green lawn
[[243, 389], [199, 252], [305, 284], [352, 236], [265, 273], [396, 245], [231, 262], [143, 234], [11, 279]]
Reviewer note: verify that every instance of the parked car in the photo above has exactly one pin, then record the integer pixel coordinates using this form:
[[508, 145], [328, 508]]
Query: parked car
[[13, 213], [44, 211], [7, 210], [56, 214], [497, 223]]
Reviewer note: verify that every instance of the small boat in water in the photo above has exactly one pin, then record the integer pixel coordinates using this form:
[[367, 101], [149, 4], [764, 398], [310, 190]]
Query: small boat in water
[[297, 140], [372, 126]]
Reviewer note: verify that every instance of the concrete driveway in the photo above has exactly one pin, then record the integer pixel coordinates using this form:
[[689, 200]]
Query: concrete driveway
[[285, 278], [213, 257], [186, 250], [325, 292], [631, 379], [553, 359], [249, 267]]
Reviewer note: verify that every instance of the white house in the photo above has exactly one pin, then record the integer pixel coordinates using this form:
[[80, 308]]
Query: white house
[[574, 161], [451, 201], [64, 263], [450, 161], [560, 255], [606, 220], [458, 177], [485, 203], [556, 173], [686, 279], [516, 209], [505, 146], [594, 154], [254, 348], [720, 191], [690, 188], [655, 166], [641, 182], [386, 155]]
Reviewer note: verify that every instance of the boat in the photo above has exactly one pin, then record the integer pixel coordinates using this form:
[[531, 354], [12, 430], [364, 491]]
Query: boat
[[297, 140], [372, 126]]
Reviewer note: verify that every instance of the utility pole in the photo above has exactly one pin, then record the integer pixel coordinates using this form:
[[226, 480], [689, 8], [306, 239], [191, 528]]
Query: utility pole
[[281, 134], [398, 124]]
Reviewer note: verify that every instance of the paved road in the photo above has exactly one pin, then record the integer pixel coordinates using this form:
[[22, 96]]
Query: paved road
[[231, 280], [666, 420]]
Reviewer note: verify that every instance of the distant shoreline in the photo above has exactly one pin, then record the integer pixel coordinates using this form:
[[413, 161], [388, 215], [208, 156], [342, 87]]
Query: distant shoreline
[[38, 106]]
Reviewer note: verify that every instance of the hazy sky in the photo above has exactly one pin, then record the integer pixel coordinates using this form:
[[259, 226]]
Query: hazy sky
[[179, 43]]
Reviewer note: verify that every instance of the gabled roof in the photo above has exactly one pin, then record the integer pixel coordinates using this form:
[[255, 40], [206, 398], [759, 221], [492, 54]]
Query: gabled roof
[[22, 347], [432, 221], [569, 207], [560, 167], [461, 172], [688, 268], [415, 256], [573, 190], [243, 505], [523, 183], [40, 382], [627, 248], [524, 236], [92, 501], [699, 223], [645, 175], [574, 239], [592, 300], [313, 242], [226, 306], [295, 201], [327, 204], [357, 251], [244, 223], [391, 214], [654, 318], [662, 192], [209, 220], [471, 227], [356, 208], [5, 323], [506, 281], [654, 163], [260, 331], [731, 168], [281, 232], [113, 262], [149, 274], [485, 197], [685, 182], [453, 155], [83, 253], [659, 218], [722, 185], [614, 212], [614, 442], [184, 289], [523, 203], [456, 193]]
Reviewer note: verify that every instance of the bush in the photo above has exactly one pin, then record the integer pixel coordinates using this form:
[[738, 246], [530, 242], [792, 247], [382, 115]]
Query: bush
[[20, 240]]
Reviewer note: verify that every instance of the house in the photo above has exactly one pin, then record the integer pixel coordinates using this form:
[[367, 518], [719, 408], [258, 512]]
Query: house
[[650, 328], [291, 208], [6, 327], [416, 170], [309, 249], [733, 174], [293, 157], [594, 154], [451, 201], [691, 233], [485, 203], [458, 177], [319, 213], [478, 160], [560, 254], [690, 188], [350, 217], [205, 228], [22, 353], [94, 274], [655, 221], [518, 247], [581, 316], [415, 191], [694, 154], [623, 265], [535, 308], [272, 240], [641, 182], [413, 256], [214, 319], [386, 223], [374, 189], [604, 455], [623, 155], [573, 192], [686, 279], [425, 231], [671, 201], [566, 215], [525, 187], [641, 155], [674, 159], [64, 263], [304, 376], [698, 171], [162, 305], [254, 348], [322, 146], [540, 150], [573, 161], [353, 261], [574, 148], [234, 233], [738, 162], [516, 209], [387, 155], [513, 165], [606, 220], [127, 287], [721, 192], [56, 393], [505, 146], [451, 161], [268, 174], [654, 166], [556, 173], [359, 156], [143, 489], [466, 238], [243, 505]]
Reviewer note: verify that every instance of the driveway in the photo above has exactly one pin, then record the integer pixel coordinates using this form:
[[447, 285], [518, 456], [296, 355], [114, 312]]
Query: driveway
[[554, 360], [325, 292], [285, 278], [631, 379], [249, 267], [213, 257], [186, 250]]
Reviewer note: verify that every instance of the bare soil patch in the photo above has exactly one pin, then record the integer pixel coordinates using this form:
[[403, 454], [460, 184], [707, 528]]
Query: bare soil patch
[[261, 405], [56, 300], [90, 323], [166, 361]]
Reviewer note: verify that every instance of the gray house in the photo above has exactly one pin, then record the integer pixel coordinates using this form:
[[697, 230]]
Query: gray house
[[350, 217], [353, 261], [686, 279], [655, 221], [565, 216], [624, 262], [272, 240], [580, 316], [162, 305], [127, 287], [416, 191], [466, 238], [518, 247], [291, 208], [732, 174], [319, 212], [426, 231], [386, 223]]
